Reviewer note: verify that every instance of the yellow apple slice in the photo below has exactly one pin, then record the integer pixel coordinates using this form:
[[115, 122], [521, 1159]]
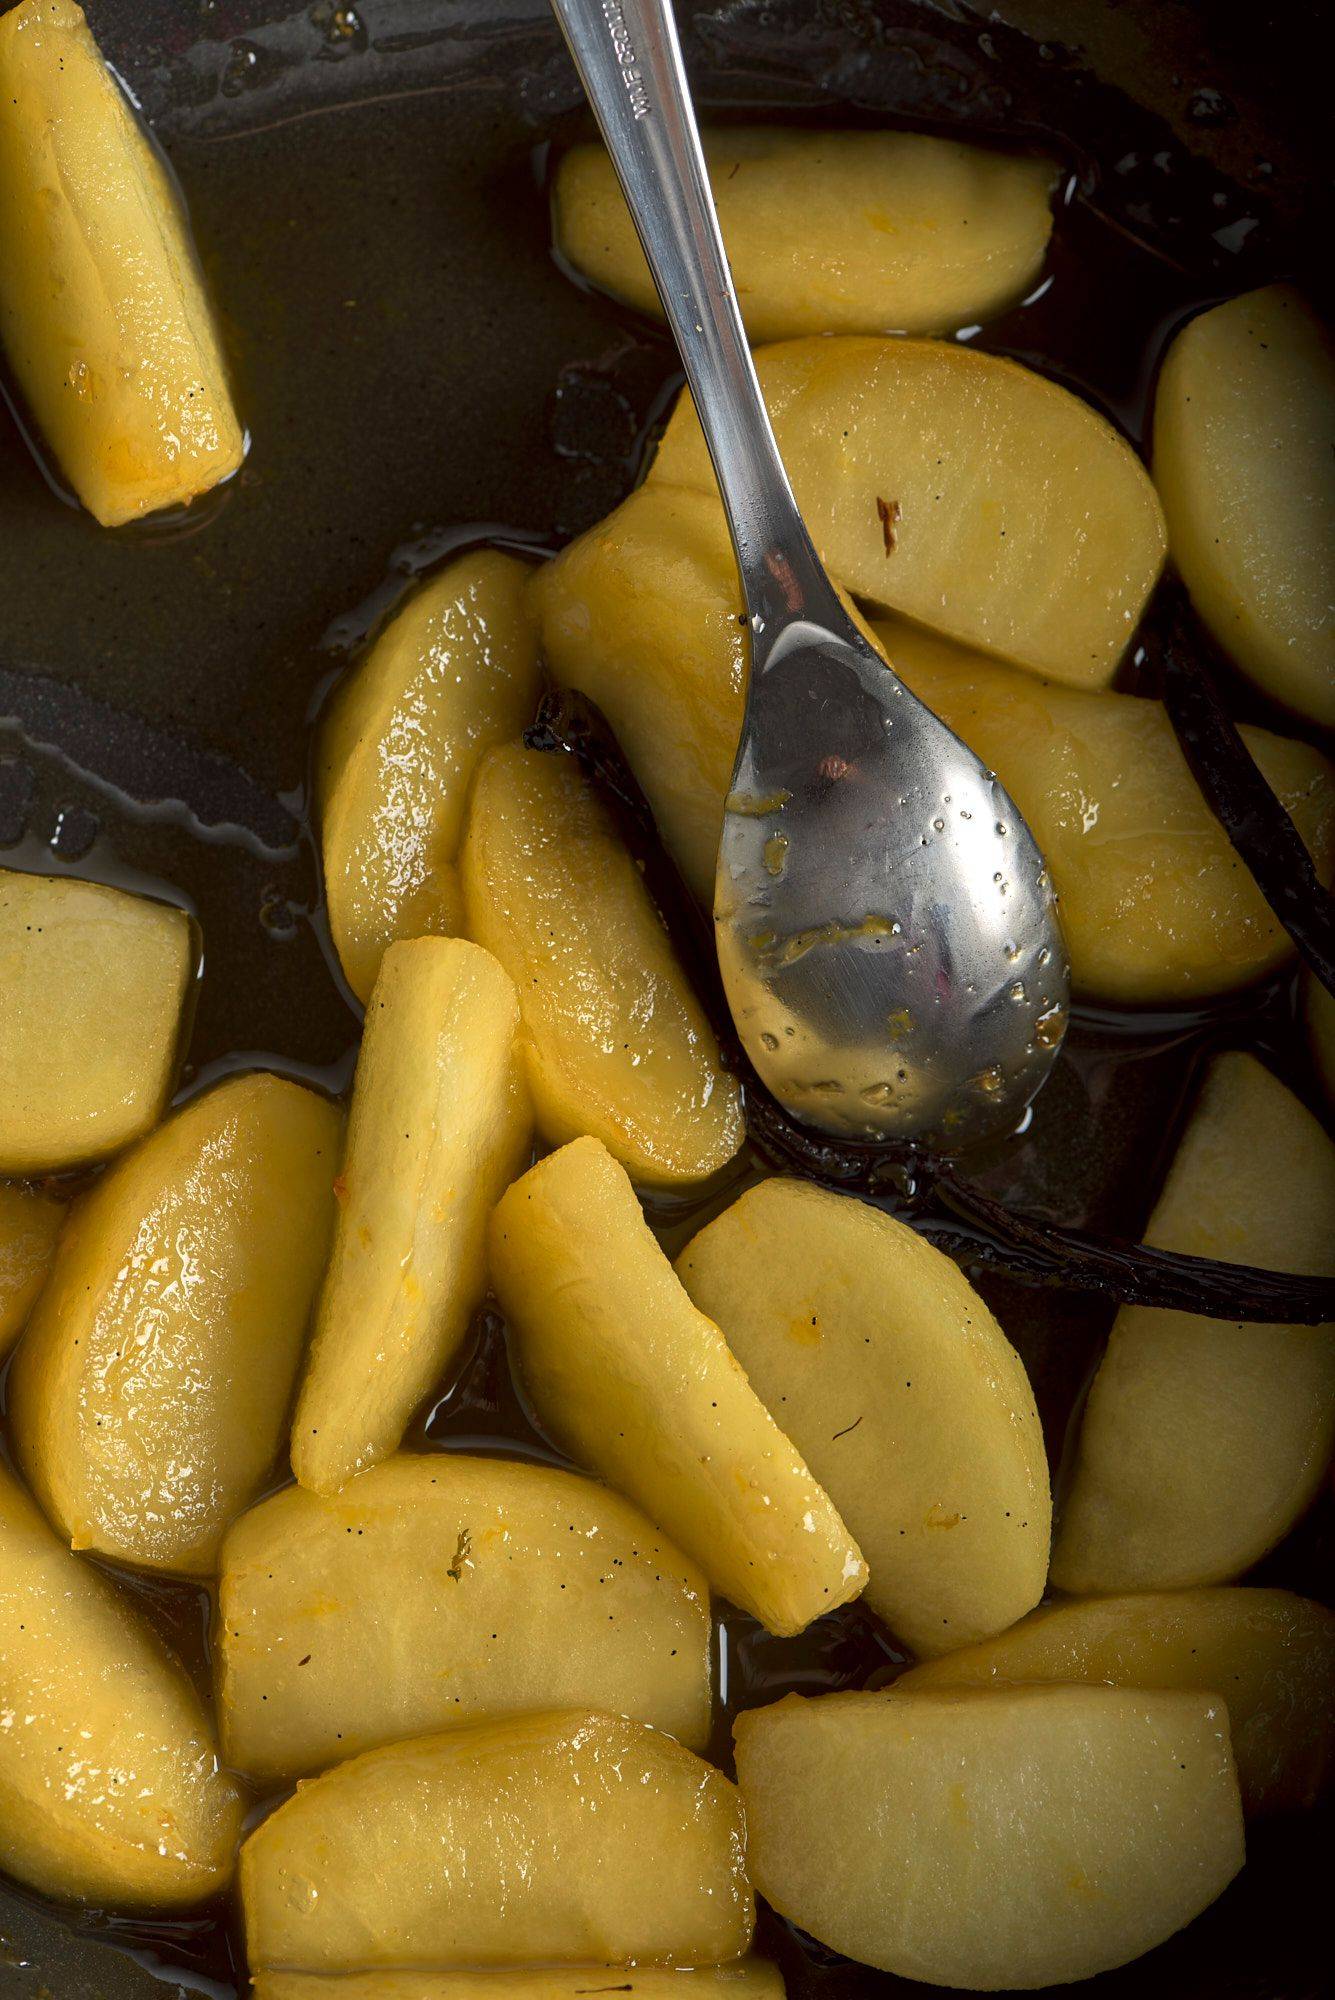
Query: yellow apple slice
[[614, 1041], [103, 313], [1269, 1655], [29, 1225], [744, 1979], [454, 671], [902, 1393], [150, 1394], [1203, 1441], [439, 1125], [638, 1384], [433, 1590], [110, 1790], [1155, 904], [1244, 432], [834, 232], [1016, 1838], [961, 490], [643, 613], [556, 1838], [94, 981]]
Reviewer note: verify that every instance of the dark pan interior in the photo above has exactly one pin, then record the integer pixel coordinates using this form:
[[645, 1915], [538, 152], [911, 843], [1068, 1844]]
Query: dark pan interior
[[366, 186]]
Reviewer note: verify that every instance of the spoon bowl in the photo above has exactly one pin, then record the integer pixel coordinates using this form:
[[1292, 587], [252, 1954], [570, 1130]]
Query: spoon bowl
[[886, 928]]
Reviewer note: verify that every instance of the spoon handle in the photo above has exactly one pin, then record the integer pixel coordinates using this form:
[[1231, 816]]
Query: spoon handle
[[629, 60]]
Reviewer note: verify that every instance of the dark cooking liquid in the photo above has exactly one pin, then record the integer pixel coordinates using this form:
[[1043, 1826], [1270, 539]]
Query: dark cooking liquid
[[325, 248]]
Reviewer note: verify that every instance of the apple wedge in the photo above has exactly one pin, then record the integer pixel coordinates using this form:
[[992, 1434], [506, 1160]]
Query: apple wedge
[[103, 313], [961, 490], [110, 1790], [433, 1590], [94, 983], [1155, 907], [639, 1385], [834, 232], [744, 1979], [902, 1393], [29, 1225], [614, 1042], [439, 1124], [1244, 429], [1016, 1838], [150, 1395], [1203, 1441], [558, 1838], [453, 672], [1269, 1655]]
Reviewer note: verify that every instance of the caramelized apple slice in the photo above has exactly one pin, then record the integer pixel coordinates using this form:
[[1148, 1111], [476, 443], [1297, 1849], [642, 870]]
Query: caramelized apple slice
[[110, 1790], [1011, 1839], [103, 313], [1155, 904], [901, 1392], [614, 1041], [435, 1589], [439, 1125], [454, 671], [29, 1225], [1268, 1654], [558, 1838], [93, 981], [150, 1394], [1244, 430], [744, 1979], [642, 1387], [961, 490], [1203, 1441], [834, 232]]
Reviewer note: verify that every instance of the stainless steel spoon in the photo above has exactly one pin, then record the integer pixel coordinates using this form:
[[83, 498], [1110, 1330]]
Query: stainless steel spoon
[[886, 928]]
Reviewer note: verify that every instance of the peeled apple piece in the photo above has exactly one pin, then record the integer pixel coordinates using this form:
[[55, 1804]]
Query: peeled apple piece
[[94, 981], [103, 313], [558, 1839], [1016, 1838], [834, 232], [635, 1382], [1268, 1654], [110, 1790], [1203, 1441], [29, 1225], [744, 1979], [1244, 460], [453, 672], [613, 1040], [439, 1125], [436, 1589], [149, 1396], [902, 1393], [1156, 905], [961, 490], [643, 613]]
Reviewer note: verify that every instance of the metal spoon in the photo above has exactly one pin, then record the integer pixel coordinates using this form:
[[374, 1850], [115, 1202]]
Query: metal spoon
[[886, 928]]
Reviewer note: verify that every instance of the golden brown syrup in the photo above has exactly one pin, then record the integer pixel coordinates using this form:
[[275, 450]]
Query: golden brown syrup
[[368, 403]]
